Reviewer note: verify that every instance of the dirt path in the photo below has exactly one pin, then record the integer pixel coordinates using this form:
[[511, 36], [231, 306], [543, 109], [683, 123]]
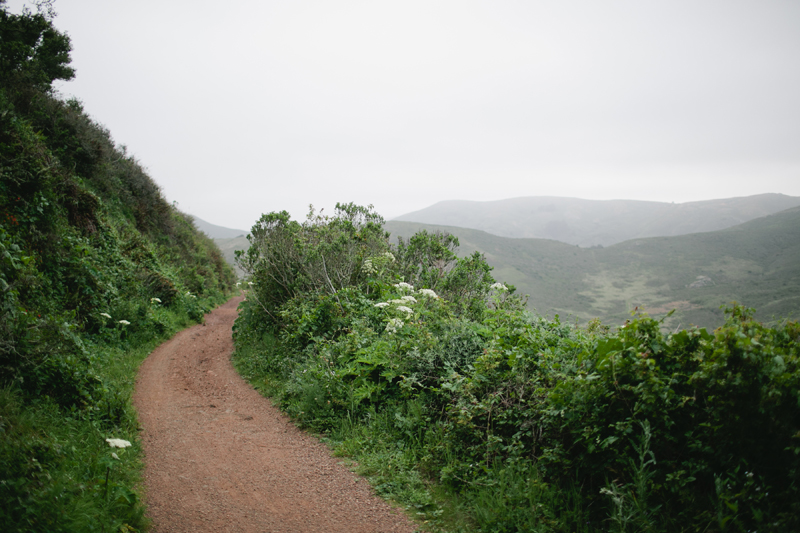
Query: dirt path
[[219, 457]]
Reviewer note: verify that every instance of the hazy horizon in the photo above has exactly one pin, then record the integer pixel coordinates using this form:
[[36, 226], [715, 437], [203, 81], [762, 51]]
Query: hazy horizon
[[252, 107]]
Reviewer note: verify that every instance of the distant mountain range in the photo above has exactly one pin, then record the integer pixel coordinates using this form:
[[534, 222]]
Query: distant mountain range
[[756, 263], [217, 232], [598, 222]]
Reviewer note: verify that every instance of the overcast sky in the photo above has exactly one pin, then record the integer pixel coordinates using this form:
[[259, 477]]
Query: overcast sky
[[246, 107]]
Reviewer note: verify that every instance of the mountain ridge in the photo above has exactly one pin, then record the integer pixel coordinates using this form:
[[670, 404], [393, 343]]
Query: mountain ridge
[[756, 263], [588, 223]]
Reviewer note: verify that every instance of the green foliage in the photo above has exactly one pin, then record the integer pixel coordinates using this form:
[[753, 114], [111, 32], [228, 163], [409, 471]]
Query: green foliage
[[468, 402], [33, 53], [95, 269]]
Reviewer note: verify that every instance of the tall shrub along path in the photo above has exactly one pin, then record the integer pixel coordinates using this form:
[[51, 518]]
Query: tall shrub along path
[[219, 457]]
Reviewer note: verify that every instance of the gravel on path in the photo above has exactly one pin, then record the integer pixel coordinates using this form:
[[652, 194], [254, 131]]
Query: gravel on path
[[220, 457]]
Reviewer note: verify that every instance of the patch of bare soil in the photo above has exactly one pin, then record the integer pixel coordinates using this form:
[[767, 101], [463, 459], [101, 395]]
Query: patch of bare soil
[[219, 457]]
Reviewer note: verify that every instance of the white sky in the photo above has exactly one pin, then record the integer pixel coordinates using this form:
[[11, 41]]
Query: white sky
[[240, 108]]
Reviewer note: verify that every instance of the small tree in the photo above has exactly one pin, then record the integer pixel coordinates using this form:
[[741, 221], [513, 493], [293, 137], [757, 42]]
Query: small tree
[[33, 54]]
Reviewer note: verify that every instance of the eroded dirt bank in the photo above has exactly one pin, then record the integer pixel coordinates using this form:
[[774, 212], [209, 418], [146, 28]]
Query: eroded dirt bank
[[219, 457]]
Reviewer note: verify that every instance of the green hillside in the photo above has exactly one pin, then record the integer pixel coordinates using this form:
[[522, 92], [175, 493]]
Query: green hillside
[[598, 222], [756, 263], [96, 268]]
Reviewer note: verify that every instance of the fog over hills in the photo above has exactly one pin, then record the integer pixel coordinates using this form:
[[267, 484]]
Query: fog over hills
[[598, 222], [756, 263], [217, 232]]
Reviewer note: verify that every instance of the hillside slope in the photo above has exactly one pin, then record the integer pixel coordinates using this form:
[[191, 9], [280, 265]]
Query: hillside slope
[[96, 267], [756, 263], [598, 222]]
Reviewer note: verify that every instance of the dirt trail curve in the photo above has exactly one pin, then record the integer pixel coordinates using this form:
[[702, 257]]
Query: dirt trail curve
[[219, 457]]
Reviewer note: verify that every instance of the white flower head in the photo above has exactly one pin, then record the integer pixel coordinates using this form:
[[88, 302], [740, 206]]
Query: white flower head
[[381, 305], [238, 283], [368, 267], [124, 322], [408, 299], [389, 256], [405, 286], [405, 309], [427, 292], [115, 456], [155, 300], [393, 325], [118, 443], [250, 283], [499, 287], [105, 315]]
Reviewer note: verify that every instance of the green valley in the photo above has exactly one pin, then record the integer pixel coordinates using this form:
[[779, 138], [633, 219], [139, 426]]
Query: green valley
[[756, 263]]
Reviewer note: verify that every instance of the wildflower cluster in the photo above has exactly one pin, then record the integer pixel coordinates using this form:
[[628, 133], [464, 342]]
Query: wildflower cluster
[[368, 267], [427, 293], [394, 325], [118, 443]]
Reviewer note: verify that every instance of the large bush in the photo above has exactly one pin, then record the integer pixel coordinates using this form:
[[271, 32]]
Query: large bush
[[419, 358]]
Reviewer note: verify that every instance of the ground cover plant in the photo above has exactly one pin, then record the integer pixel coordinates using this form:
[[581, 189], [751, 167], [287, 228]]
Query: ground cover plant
[[478, 415], [95, 269]]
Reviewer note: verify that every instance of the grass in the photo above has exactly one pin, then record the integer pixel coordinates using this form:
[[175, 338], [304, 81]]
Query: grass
[[57, 472]]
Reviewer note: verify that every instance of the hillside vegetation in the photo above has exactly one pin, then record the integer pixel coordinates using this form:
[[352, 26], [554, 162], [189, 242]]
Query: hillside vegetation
[[757, 263], [95, 269], [598, 222], [477, 415]]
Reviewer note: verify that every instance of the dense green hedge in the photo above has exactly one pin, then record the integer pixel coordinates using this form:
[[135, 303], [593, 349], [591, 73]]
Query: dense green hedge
[[528, 424]]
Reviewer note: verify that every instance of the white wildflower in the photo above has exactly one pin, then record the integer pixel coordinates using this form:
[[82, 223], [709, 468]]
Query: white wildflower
[[115, 456], [250, 283], [124, 322], [118, 443], [405, 309], [404, 285], [368, 267], [381, 305], [105, 315], [393, 325], [499, 287], [409, 299], [427, 292], [389, 256], [155, 300], [238, 283]]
